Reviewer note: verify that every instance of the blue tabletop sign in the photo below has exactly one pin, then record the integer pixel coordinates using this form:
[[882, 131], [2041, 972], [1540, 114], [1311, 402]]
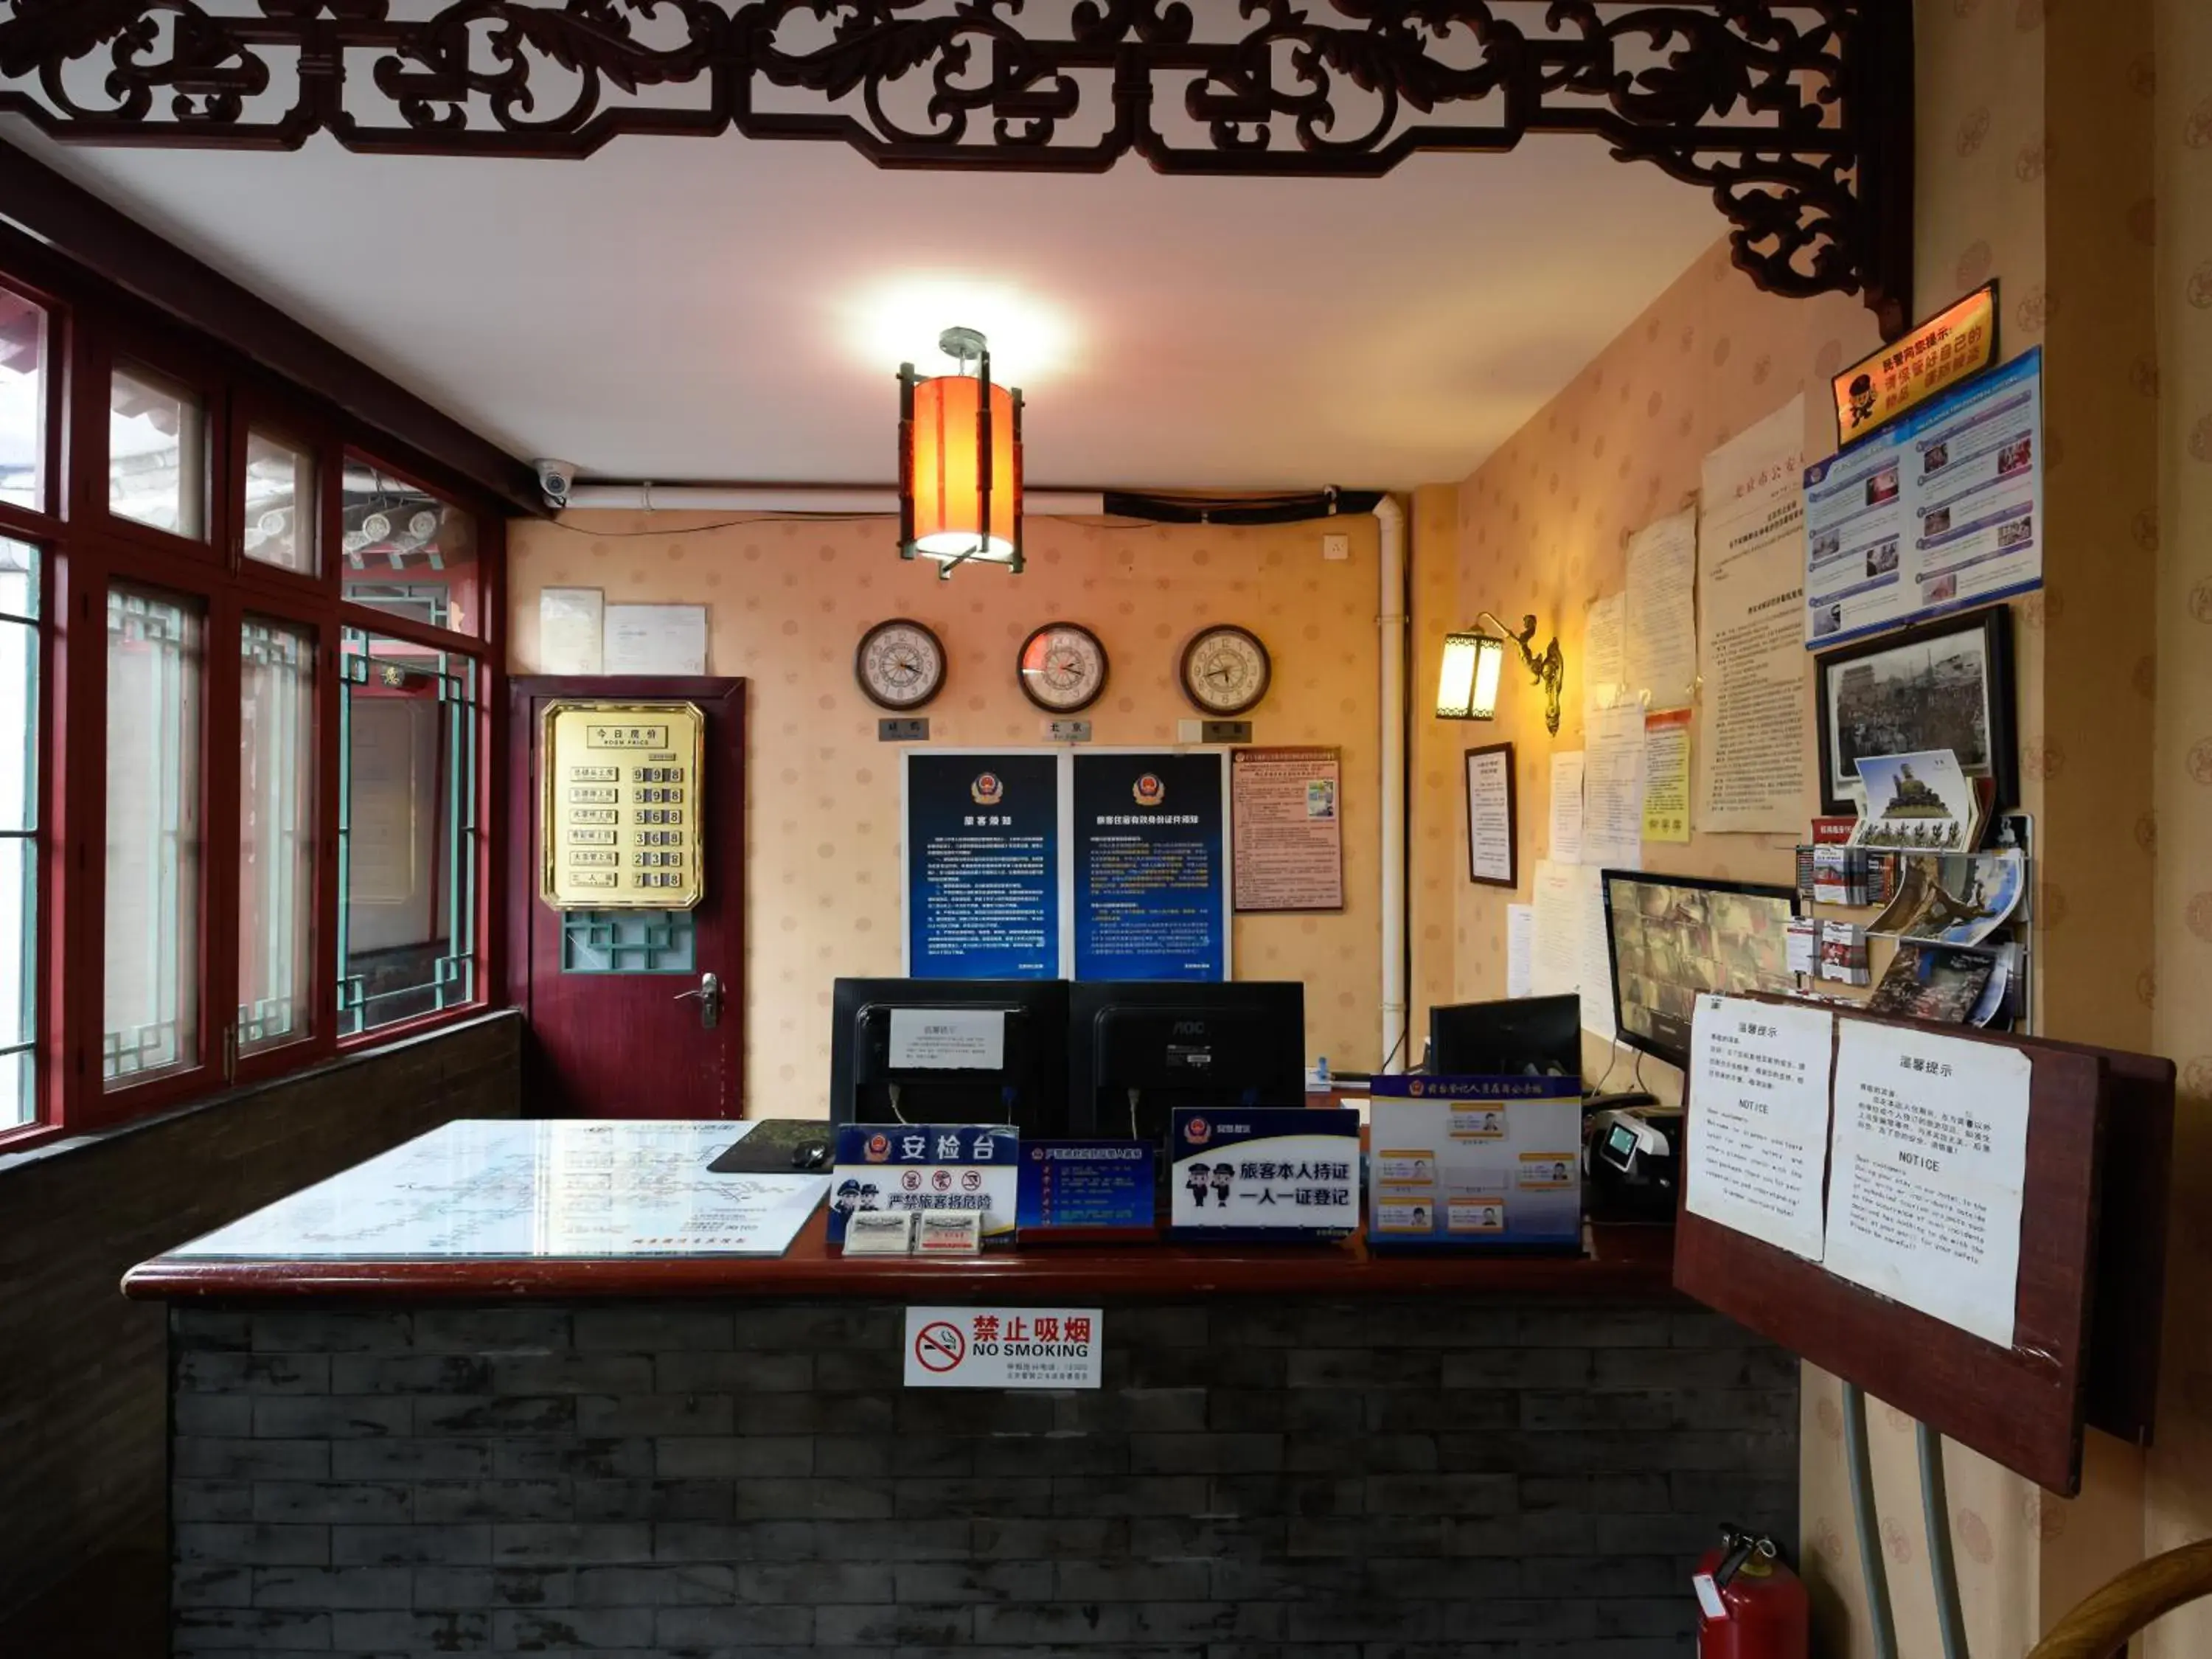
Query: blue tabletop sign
[[1274, 1172], [1475, 1162], [1088, 1186], [926, 1167]]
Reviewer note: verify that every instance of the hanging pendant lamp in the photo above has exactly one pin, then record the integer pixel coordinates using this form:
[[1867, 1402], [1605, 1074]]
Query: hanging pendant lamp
[[960, 462]]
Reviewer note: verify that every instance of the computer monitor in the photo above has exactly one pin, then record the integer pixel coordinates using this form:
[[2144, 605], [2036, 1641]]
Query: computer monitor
[[1524, 1036], [871, 1084], [1139, 1050], [1671, 938]]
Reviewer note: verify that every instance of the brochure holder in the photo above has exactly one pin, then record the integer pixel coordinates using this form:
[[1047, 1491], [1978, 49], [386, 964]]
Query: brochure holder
[[2092, 1269]]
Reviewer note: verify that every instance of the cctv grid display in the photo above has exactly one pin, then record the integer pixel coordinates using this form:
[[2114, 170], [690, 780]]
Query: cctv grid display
[[1104, 863]]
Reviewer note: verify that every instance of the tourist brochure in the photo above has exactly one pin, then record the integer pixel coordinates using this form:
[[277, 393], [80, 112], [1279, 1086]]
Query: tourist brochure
[[1921, 803], [1960, 899]]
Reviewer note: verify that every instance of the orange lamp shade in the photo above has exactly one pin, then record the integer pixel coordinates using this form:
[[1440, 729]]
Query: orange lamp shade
[[946, 474]]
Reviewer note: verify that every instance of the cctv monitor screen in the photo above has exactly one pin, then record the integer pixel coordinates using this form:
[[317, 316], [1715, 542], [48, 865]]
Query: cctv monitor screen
[[890, 1062], [1672, 937]]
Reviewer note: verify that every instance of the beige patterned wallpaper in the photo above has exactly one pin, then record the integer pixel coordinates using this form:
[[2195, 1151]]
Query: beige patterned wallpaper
[[787, 604]]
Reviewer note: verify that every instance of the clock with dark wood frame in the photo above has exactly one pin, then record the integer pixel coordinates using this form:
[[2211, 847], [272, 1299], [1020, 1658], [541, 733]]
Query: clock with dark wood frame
[[1214, 631]]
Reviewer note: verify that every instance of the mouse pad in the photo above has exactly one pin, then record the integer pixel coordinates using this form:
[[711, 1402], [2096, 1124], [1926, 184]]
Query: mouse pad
[[771, 1146]]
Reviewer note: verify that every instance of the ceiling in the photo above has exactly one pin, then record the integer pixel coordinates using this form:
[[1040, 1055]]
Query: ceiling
[[691, 309]]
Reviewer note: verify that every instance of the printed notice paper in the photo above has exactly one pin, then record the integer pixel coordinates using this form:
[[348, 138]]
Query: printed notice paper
[[655, 639], [1930, 1157], [948, 1039], [1604, 647], [568, 627], [1566, 845], [1556, 959], [1666, 775], [1520, 950], [1612, 787], [1594, 951], [1758, 1119], [1754, 727], [1661, 624]]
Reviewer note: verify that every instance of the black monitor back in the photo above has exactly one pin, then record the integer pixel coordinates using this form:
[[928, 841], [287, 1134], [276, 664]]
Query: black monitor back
[[1029, 1089], [1542, 1035], [1200, 1045]]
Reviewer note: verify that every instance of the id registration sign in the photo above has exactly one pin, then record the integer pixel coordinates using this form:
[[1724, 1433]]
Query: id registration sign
[[1004, 1347]]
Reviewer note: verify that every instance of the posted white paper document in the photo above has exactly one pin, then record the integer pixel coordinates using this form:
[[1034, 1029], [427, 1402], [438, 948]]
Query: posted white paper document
[[1555, 963], [1930, 1156], [1662, 647], [1594, 969], [655, 639], [1520, 950], [1758, 1125], [1605, 661], [569, 621], [1566, 839], [1754, 729], [1612, 787], [948, 1039]]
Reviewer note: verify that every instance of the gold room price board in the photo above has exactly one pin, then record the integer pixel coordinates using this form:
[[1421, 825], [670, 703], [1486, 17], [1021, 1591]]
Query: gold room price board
[[622, 828]]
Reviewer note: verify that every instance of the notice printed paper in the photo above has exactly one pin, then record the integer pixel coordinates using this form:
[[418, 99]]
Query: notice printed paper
[[1754, 749], [1667, 774], [1566, 839], [1661, 621], [1612, 788], [654, 639], [948, 1039], [1520, 950], [1758, 1119], [569, 625], [1605, 652], [1929, 1161]]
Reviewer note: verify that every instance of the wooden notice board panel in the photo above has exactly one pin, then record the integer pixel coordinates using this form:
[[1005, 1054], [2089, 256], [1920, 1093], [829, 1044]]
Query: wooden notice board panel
[[2023, 1406]]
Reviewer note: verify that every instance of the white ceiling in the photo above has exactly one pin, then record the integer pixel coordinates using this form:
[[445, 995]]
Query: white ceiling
[[699, 309]]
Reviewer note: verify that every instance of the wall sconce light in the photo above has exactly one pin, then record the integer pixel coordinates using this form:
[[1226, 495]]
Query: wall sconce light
[[1467, 688], [960, 462]]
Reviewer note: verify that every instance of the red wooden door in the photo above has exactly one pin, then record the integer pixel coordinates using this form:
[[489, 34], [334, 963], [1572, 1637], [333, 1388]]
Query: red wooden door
[[619, 1025]]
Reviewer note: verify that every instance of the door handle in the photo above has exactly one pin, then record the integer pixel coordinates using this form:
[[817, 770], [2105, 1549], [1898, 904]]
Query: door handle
[[709, 994]]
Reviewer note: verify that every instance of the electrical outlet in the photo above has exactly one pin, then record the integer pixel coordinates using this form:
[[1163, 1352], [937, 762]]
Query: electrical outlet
[[1336, 545]]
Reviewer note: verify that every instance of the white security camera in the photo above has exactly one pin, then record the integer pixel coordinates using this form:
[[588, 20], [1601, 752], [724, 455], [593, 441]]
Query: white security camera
[[556, 479]]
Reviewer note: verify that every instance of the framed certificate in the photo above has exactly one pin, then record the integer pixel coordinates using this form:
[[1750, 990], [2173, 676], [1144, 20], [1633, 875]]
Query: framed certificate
[[1493, 845]]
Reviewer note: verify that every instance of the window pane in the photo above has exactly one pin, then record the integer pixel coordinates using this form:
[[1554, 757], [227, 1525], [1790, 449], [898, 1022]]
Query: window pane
[[156, 453], [19, 823], [19, 1008], [152, 947], [19, 686], [408, 552], [407, 833], [280, 503], [276, 839], [23, 412]]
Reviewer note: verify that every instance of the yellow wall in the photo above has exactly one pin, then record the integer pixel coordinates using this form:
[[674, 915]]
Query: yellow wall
[[789, 601]]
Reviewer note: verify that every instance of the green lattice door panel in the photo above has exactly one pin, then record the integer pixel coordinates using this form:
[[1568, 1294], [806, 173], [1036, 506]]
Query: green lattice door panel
[[627, 942]]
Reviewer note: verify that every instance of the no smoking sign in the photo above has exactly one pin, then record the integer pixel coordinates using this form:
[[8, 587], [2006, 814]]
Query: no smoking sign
[[1004, 1347]]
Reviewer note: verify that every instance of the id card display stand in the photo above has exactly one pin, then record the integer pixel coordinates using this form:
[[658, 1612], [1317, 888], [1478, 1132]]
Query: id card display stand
[[2085, 1347]]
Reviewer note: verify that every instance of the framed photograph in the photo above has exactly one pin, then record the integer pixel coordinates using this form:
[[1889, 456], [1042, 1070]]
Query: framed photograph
[[1945, 685], [1493, 842]]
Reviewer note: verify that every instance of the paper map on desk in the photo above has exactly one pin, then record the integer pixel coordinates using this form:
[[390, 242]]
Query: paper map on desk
[[571, 1187]]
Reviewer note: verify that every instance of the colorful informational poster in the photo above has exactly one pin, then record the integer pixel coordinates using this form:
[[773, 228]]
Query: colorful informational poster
[[1475, 1161], [1942, 351], [982, 865], [1941, 510], [1288, 819], [1151, 881], [1667, 774], [1081, 1187], [1275, 1172], [925, 1168]]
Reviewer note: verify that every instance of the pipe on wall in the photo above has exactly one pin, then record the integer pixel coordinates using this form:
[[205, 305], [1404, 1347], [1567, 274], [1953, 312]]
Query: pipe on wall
[[1390, 618], [859, 500]]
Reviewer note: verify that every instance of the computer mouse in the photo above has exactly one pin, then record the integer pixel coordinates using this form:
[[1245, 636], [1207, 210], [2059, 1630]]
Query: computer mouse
[[811, 1155]]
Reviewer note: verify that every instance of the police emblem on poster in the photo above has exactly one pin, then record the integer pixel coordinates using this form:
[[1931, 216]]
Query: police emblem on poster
[[931, 1169], [1271, 1173], [1088, 1190]]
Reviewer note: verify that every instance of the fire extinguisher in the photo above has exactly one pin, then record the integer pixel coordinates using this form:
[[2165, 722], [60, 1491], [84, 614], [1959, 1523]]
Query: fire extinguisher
[[1750, 1605]]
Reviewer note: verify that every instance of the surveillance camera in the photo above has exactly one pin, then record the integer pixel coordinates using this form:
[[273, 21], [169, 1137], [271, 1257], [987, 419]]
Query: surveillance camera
[[556, 479]]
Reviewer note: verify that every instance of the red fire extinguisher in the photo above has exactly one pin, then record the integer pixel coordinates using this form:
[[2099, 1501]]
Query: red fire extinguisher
[[1750, 1605]]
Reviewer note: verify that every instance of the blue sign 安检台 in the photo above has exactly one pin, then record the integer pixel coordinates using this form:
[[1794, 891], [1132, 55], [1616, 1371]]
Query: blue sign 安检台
[[1152, 893], [982, 876], [922, 1167], [1087, 1186]]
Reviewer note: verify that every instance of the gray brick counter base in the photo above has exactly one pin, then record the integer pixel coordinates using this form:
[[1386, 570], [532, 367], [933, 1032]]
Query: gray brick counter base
[[1446, 1479]]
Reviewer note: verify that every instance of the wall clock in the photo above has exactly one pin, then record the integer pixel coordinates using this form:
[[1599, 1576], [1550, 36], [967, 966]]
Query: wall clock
[[1062, 667], [1226, 670], [900, 664]]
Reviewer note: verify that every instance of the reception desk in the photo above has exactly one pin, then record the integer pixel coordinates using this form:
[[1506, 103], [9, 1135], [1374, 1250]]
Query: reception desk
[[1302, 1450]]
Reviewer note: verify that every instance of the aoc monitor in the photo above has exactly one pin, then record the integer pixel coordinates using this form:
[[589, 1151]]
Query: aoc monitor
[[1523, 1036], [1672, 937], [951, 1051], [1137, 1050]]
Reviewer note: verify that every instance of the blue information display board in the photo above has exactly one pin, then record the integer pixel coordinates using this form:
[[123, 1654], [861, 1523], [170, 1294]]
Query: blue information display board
[[1087, 1186], [983, 851], [925, 1168], [1152, 897]]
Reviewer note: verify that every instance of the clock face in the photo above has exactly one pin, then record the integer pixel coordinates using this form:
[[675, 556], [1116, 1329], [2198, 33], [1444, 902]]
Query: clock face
[[900, 664], [1226, 670], [1063, 667]]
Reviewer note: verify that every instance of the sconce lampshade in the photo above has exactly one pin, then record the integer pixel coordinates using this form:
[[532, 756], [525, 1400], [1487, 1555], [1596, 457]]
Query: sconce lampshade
[[1467, 687], [960, 463]]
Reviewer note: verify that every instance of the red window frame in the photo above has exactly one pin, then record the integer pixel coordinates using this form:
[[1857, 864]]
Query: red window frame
[[84, 549]]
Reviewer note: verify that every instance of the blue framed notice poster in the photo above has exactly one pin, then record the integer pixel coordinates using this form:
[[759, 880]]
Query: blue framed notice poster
[[1150, 882], [982, 865]]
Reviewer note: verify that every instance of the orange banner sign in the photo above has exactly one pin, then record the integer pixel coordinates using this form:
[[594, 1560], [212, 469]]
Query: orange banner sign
[[1940, 352]]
